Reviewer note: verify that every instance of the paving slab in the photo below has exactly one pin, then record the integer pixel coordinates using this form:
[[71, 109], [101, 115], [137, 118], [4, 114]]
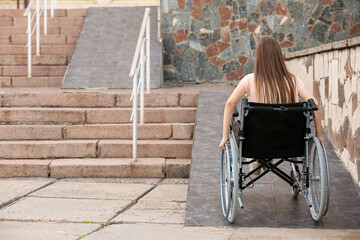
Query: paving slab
[[153, 205], [151, 216], [151, 181], [168, 193], [156, 232], [269, 203], [45, 230], [93, 190], [68, 210], [12, 189]]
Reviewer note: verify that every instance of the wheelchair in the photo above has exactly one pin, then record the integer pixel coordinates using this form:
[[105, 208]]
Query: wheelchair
[[276, 133]]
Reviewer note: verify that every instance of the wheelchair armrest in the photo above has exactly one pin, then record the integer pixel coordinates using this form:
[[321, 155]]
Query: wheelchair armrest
[[311, 105]]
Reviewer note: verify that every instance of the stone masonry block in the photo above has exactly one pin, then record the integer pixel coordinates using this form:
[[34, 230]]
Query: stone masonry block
[[81, 168], [20, 71], [10, 30], [5, 39], [45, 40], [148, 168], [188, 99], [6, 22], [41, 115], [36, 81], [24, 168], [152, 115], [36, 60], [108, 167], [183, 131], [72, 39], [5, 81], [334, 82], [146, 148], [121, 115], [118, 131], [357, 59], [70, 30], [58, 99], [77, 12], [29, 132], [48, 149], [12, 12], [178, 168], [151, 100], [173, 115]]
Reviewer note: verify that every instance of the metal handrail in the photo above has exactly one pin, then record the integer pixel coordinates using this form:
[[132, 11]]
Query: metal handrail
[[137, 73], [30, 31]]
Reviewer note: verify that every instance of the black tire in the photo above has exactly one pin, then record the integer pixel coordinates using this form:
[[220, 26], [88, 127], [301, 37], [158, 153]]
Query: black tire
[[225, 180], [317, 179], [234, 172]]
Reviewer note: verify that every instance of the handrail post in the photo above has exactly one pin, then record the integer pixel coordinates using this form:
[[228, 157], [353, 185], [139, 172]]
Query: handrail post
[[38, 27], [134, 119], [45, 17], [148, 55], [142, 81], [29, 43]]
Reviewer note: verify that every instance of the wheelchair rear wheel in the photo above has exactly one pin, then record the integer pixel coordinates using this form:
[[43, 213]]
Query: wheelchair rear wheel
[[225, 180], [318, 179], [234, 170]]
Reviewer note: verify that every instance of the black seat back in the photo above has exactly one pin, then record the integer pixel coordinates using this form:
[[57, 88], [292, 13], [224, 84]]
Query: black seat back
[[274, 134]]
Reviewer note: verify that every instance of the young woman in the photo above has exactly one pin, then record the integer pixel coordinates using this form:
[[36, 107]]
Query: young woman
[[270, 83]]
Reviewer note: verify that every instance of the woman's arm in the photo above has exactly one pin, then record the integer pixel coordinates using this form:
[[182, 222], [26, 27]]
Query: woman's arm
[[235, 97], [306, 95]]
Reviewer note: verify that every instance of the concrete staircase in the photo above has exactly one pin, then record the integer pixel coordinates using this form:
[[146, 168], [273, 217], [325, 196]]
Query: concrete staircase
[[57, 133], [46, 131], [56, 48]]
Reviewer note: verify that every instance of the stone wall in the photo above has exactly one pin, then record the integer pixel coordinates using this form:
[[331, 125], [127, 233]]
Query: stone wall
[[332, 72], [208, 40]]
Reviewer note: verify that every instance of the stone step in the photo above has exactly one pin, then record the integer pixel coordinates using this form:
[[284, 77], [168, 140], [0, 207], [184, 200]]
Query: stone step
[[21, 30], [92, 167], [57, 12], [48, 60], [37, 71], [30, 82], [176, 131], [152, 115], [22, 39], [6, 21], [46, 149], [44, 49], [146, 148], [51, 22], [65, 98], [88, 115]]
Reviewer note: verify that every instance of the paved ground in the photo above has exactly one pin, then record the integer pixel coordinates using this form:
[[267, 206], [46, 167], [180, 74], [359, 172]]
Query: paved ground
[[106, 47], [269, 203], [42, 208]]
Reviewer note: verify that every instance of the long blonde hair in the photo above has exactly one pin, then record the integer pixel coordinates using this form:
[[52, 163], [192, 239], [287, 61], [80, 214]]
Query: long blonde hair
[[273, 82]]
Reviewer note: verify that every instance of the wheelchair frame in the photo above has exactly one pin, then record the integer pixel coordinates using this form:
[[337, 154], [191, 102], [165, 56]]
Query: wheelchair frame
[[234, 180]]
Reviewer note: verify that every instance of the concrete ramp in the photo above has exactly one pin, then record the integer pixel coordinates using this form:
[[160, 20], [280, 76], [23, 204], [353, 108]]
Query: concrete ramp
[[269, 203], [106, 46]]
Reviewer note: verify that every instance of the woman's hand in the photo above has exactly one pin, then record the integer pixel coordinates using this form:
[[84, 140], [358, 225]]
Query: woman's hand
[[321, 139], [222, 143]]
